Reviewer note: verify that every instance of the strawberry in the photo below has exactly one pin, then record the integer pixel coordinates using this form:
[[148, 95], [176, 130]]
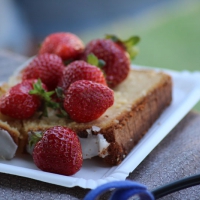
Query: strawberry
[[59, 151], [80, 70], [25, 98], [117, 60], [66, 45], [18, 103], [86, 101], [47, 67]]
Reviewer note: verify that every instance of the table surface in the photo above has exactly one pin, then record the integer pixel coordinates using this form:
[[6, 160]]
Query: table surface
[[176, 157]]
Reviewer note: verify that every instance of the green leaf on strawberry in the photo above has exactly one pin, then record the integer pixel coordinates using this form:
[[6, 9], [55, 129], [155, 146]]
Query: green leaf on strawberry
[[60, 94], [128, 44], [44, 96], [34, 137], [93, 60]]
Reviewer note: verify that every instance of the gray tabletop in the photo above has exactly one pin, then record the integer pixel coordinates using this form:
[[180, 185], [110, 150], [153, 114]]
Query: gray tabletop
[[176, 157]]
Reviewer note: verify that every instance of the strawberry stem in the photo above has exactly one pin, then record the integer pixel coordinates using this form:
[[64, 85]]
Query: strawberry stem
[[60, 94], [34, 137], [128, 45], [44, 96], [93, 60], [67, 62]]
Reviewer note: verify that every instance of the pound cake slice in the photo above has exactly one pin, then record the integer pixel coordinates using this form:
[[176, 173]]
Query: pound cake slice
[[139, 101], [140, 96]]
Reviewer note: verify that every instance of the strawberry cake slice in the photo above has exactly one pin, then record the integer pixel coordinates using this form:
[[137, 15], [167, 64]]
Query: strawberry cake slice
[[97, 95]]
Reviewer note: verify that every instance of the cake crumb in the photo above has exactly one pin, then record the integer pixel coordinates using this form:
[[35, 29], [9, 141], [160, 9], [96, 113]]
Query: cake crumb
[[95, 129], [116, 121]]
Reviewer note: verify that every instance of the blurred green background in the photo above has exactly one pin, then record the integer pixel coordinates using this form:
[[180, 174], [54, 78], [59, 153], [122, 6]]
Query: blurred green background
[[170, 36]]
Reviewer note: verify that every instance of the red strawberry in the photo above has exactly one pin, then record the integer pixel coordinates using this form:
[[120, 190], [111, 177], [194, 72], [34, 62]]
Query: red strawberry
[[47, 67], [80, 70], [59, 151], [66, 45], [117, 61], [86, 101], [18, 103]]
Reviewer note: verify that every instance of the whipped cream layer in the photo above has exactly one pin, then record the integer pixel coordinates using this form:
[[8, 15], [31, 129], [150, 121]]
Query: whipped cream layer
[[93, 145], [7, 145]]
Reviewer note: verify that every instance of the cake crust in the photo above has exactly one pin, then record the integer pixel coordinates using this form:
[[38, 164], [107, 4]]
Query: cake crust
[[134, 124]]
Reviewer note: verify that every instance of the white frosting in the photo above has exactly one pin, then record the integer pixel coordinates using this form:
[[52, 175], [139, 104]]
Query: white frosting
[[103, 145], [89, 145], [7, 145], [95, 128], [94, 145]]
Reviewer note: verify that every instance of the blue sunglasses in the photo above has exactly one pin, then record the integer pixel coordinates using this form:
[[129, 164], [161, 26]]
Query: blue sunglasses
[[122, 190]]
